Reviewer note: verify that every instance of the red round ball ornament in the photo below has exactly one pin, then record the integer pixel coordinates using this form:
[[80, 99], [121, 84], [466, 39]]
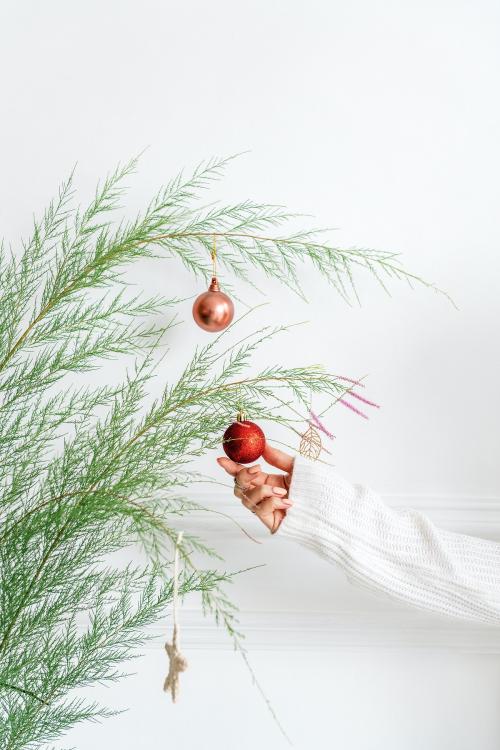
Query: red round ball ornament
[[244, 441], [213, 310]]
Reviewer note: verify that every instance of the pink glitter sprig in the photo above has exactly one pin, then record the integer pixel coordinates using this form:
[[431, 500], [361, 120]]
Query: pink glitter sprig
[[353, 408], [364, 400], [315, 422], [350, 380]]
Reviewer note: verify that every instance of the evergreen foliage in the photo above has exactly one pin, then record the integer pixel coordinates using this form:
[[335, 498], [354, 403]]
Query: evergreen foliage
[[86, 471]]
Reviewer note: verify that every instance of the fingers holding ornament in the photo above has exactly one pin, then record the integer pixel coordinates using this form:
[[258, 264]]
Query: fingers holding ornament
[[253, 498], [265, 495], [271, 512], [253, 475]]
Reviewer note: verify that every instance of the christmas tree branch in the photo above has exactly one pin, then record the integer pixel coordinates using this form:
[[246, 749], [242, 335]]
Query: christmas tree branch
[[87, 471]]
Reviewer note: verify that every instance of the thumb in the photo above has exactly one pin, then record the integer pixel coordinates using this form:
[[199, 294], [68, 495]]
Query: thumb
[[230, 466], [277, 458]]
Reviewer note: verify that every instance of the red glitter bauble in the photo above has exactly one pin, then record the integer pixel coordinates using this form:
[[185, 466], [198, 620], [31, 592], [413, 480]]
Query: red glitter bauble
[[244, 442]]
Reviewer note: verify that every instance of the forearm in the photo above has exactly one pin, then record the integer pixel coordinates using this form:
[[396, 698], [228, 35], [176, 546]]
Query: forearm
[[398, 552]]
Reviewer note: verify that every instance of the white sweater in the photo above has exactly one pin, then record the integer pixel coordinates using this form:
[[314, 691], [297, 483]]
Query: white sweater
[[399, 552]]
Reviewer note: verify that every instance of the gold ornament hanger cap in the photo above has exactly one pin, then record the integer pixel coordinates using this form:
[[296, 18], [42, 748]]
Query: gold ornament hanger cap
[[214, 284]]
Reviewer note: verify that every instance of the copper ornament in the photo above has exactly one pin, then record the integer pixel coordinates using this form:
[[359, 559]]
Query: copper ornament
[[213, 310]]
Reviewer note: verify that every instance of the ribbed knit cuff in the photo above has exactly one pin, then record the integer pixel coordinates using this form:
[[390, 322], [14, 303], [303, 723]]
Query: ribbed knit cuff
[[400, 553], [311, 495]]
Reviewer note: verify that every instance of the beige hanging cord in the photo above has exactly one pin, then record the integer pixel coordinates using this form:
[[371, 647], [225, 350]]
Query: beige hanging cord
[[177, 662]]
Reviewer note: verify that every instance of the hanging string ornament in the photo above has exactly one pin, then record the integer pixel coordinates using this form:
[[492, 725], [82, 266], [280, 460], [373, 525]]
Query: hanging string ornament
[[243, 441], [177, 663], [213, 310]]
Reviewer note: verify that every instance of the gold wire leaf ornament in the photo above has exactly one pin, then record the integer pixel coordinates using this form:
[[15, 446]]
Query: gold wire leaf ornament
[[310, 444]]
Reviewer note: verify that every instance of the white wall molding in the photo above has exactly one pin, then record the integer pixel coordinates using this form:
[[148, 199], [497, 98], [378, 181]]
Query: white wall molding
[[478, 515], [313, 631], [333, 614]]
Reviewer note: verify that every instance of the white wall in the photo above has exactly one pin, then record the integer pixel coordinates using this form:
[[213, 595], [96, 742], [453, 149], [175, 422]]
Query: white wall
[[380, 118]]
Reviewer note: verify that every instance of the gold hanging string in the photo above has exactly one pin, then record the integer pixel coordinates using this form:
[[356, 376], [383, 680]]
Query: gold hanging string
[[241, 415], [213, 255]]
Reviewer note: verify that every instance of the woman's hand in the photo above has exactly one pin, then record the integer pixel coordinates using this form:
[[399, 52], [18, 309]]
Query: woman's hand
[[266, 495]]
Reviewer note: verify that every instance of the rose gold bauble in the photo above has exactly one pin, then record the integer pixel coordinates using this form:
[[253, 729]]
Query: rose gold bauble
[[213, 310]]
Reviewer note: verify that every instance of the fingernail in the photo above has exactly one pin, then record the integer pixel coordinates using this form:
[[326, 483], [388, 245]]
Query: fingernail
[[287, 503], [254, 469], [279, 491]]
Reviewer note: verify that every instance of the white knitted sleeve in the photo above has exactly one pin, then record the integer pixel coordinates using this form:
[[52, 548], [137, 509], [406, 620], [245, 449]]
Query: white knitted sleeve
[[399, 552]]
